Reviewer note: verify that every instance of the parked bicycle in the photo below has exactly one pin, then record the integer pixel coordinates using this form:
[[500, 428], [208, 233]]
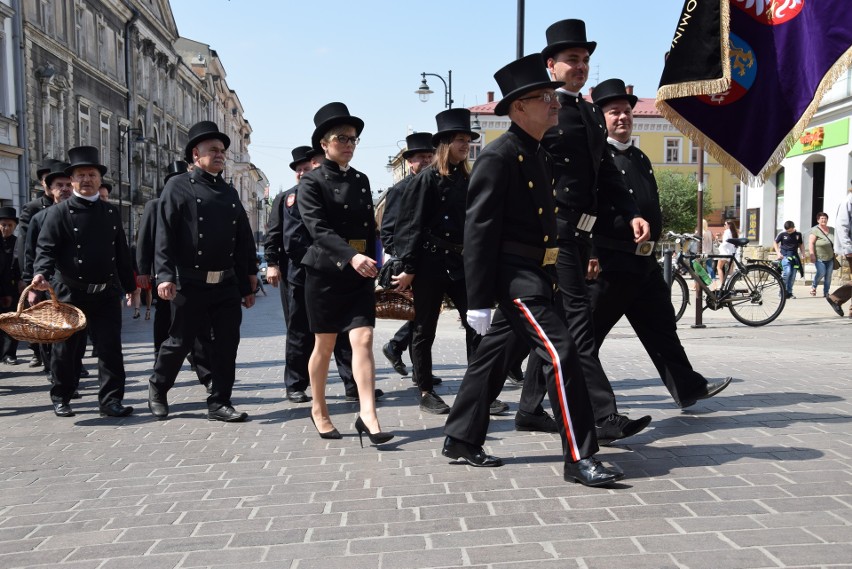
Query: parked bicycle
[[753, 292]]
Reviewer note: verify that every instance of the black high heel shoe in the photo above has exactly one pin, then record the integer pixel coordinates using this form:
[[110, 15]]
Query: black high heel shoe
[[375, 438], [332, 434]]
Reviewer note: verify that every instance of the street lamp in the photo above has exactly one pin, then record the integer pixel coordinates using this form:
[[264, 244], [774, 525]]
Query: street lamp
[[475, 124], [424, 91]]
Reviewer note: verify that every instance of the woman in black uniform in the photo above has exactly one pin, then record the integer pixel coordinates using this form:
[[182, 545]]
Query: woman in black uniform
[[337, 209], [428, 239]]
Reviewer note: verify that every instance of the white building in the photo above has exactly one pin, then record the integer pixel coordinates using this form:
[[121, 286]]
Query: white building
[[814, 177], [10, 146]]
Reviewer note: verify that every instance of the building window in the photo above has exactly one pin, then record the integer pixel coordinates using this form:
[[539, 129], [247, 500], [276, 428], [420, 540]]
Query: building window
[[102, 51], [84, 126], [779, 201], [473, 152], [46, 17], [79, 35], [105, 153], [673, 150], [119, 56]]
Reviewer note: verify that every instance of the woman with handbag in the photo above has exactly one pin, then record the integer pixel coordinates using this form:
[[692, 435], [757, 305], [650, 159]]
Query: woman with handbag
[[337, 209], [428, 240], [821, 249]]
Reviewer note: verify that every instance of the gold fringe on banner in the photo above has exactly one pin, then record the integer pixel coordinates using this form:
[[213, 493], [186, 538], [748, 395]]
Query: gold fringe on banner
[[714, 86]]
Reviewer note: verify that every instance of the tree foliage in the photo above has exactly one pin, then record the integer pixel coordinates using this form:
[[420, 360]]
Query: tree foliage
[[679, 201]]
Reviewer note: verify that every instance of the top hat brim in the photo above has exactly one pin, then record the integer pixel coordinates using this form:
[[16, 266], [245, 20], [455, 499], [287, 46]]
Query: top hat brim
[[193, 142], [412, 151], [70, 169], [555, 48], [327, 125], [51, 176], [171, 175], [632, 99], [307, 158], [436, 138], [502, 107]]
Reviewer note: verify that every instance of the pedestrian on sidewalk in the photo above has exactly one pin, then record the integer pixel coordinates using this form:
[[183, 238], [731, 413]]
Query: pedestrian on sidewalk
[[821, 249], [790, 249], [843, 224]]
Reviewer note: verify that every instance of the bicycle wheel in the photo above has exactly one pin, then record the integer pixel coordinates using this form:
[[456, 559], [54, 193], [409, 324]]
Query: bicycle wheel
[[756, 296], [680, 295]]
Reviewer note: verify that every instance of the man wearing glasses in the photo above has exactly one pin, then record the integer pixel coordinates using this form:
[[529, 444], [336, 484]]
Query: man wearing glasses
[[205, 261]]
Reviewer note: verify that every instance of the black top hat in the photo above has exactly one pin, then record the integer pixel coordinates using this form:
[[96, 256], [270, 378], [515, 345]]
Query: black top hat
[[612, 90], [522, 76], [301, 154], [175, 168], [84, 156], [452, 121], [108, 187], [417, 142], [331, 115], [8, 213], [45, 167], [201, 131], [57, 171], [565, 34]]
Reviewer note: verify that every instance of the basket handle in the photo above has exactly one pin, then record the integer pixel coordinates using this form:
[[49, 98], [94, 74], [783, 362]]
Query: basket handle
[[27, 290]]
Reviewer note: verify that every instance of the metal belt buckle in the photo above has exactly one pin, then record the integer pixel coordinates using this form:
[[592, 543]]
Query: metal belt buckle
[[214, 277], [359, 245], [645, 249], [95, 288], [550, 255], [586, 222]]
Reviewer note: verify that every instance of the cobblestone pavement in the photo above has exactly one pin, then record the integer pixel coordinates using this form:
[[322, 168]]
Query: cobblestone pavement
[[760, 476]]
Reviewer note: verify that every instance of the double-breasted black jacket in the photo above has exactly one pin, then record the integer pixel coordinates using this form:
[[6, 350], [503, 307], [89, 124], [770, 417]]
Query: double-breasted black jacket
[[202, 226], [583, 164], [337, 210], [510, 199], [83, 242]]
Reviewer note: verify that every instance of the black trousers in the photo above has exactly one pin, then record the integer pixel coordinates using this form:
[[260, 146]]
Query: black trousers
[[539, 326], [402, 339], [430, 285], [199, 357], [300, 343], [645, 301], [103, 317], [196, 309], [8, 345], [571, 267]]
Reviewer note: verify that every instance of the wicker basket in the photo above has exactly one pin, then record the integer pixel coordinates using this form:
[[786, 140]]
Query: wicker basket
[[394, 305], [47, 322]]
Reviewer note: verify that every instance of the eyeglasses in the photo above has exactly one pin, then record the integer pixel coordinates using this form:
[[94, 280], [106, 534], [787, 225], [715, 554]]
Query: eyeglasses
[[545, 97], [343, 139]]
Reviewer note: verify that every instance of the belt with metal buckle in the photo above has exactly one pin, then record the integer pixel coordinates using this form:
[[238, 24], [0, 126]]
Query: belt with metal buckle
[[359, 245], [645, 249], [434, 243], [545, 256], [90, 288], [209, 277]]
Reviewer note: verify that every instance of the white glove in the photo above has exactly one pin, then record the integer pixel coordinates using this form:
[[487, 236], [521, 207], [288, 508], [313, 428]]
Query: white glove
[[479, 319]]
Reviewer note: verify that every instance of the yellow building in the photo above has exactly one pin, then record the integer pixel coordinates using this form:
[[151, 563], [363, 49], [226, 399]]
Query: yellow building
[[665, 146]]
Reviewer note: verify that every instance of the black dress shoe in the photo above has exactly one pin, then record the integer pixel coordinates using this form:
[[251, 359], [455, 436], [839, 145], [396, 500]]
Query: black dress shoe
[[497, 407], [115, 409], [35, 361], [227, 414], [297, 397], [590, 472], [541, 422], [395, 359], [76, 395], [713, 388], [10, 360], [353, 395], [62, 409], [84, 372], [515, 378], [618, 426], [462, 452], [157, 403], [208, 384], [835, 305]]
